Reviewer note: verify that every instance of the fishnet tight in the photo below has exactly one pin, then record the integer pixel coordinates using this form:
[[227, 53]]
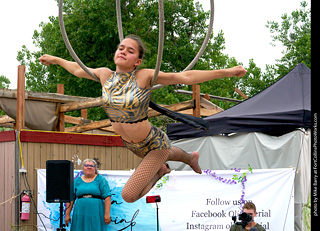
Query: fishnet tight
[[148, 172]]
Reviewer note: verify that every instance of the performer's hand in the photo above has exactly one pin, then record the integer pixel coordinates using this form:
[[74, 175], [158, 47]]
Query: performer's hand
[[47, 59], [238, 71], [67, 220], [107, 219]]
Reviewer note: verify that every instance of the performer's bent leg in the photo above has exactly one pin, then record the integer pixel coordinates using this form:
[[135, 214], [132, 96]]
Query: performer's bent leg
[[177, 154], [146, 175], [151, 169]]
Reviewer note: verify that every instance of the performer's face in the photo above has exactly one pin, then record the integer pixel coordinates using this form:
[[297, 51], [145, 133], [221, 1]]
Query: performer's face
[[127, 54], [88, 168]]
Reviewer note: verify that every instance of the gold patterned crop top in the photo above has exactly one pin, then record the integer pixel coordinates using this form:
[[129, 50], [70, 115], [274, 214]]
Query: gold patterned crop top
[[123, 100]]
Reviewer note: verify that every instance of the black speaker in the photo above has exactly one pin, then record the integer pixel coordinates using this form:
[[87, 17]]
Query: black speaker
[[59, 181]]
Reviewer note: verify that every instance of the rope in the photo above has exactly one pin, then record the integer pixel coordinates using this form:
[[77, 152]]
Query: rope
[[10, 200], [22, 165], [69, 47], [203, 47]]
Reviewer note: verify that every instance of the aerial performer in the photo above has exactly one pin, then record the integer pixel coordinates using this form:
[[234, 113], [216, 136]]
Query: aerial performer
[[126, 94]]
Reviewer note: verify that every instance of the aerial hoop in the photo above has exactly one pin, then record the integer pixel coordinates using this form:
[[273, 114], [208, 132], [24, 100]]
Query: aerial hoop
[[69, 47], [161, 39], [202, 48], [119, 20], [206, 40], [190, 120], [120, 31], [160, 43], [161, 35]]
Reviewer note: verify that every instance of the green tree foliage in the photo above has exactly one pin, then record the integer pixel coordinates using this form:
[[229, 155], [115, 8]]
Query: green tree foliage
[[4, 82], [92, 30], [294, 33]]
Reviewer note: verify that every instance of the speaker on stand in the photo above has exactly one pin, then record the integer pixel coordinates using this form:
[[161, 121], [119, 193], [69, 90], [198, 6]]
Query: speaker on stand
[[59, 184]]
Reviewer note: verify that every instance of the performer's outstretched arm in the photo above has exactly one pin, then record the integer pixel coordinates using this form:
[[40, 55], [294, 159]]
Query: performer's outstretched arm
[[74, 68], [199, 76]]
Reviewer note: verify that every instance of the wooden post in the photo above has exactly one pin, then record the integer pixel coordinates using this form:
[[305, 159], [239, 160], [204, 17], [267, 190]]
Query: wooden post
[[196, 98], [206, 96], [241, 93], [20, 117], [84, 113], [61, 127]]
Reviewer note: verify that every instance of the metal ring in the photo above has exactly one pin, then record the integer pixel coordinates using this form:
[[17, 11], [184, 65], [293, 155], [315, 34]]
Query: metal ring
[[120, 31], [203, 47], [69, 47]]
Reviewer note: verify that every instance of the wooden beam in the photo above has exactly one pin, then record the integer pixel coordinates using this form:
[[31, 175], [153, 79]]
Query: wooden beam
[[209, 105], [241, 93], [97, 102], [204, 112], [208, 108], [76, 120], [91, 126], [67, 138], [196, 98], [108, 129], [173, 107], [8, 125], [184, 92], [106, 123], [42, 96], [20, 117], [6, 119], [72, 120], [89, 103]]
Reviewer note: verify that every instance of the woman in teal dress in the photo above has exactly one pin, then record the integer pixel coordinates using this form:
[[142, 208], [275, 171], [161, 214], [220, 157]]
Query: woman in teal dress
[[93, 201]]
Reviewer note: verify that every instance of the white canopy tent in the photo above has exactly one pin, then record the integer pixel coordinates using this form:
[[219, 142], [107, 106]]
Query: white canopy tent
[[261, 151]]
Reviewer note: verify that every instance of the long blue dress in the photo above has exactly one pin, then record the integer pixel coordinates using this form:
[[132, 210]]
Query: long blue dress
[[88, 213]]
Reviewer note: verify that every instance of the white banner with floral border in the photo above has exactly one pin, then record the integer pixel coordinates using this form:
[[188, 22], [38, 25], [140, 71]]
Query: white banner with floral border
[[190, 201]]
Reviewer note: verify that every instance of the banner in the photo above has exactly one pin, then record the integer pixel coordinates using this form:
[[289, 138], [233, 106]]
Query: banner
[[191, 201]]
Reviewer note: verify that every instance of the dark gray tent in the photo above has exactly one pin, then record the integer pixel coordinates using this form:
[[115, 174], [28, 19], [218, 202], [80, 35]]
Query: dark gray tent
[[284, 106]]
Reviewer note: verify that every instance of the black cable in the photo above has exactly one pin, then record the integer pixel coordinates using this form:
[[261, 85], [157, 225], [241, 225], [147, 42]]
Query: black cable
[[26, 184], [25, 179]]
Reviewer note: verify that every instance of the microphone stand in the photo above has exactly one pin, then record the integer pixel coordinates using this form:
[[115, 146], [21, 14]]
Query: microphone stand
[[157, 217], [61, 219]]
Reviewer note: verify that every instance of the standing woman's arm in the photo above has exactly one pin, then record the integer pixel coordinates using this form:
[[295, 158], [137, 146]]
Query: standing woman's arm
[[106, 193], [107, 206], [67, 218]]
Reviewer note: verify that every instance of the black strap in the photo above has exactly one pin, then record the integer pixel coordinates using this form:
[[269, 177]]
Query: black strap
[[193, 121]]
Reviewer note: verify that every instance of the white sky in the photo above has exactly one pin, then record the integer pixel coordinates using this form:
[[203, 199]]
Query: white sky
[[243, 23]]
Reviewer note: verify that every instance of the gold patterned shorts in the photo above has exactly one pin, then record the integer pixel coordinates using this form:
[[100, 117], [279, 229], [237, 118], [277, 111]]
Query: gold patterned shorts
[[156, 139]]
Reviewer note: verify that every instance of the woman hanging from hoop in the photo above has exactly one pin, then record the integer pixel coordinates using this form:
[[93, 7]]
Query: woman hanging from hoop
[[126, 93]]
